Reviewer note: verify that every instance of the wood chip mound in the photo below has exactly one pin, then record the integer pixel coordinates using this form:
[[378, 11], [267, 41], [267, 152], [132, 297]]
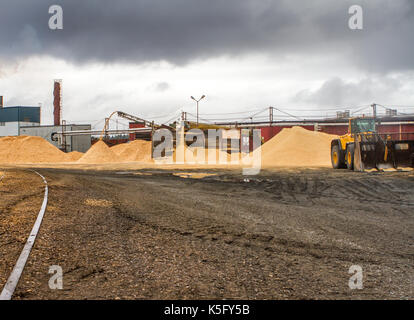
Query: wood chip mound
[[137, 150], [27, 149], [74, 156], [99, 153], [298, 147]]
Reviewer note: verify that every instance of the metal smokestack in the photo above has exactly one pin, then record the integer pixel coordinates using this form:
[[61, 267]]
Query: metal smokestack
[[57, 102]]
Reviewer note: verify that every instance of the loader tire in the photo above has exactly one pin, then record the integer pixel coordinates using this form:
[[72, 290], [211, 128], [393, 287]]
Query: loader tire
[[336, 159], [349, 156]]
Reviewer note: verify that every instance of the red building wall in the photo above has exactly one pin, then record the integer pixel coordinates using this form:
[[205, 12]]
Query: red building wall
[[133, 125], [338, 130], [397, 131], [269, 132]]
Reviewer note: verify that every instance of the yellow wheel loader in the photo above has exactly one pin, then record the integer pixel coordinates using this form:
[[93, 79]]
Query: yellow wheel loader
[[364, 148]]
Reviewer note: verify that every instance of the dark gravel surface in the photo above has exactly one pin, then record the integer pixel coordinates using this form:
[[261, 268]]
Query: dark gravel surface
[[287, 234], [21, 195]]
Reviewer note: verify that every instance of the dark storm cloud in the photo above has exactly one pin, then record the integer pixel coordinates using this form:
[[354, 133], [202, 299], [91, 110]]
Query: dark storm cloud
[[180, 31]]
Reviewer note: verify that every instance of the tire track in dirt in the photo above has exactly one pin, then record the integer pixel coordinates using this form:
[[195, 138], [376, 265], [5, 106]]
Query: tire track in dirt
[[168, 237], [359, 190]]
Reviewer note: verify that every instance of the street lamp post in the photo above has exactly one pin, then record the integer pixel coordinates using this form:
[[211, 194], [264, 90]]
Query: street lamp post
[[203, 96]]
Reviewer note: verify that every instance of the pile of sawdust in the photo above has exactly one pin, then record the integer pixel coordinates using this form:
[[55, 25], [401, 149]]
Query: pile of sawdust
[[98, 203], [99, 153], [27, 149], [194, 155], [193, 175], [294, 147], [298, 147], [137, 150], [73, 156]]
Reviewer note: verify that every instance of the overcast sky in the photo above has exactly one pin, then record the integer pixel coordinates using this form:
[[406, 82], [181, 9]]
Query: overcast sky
[[147, 57]]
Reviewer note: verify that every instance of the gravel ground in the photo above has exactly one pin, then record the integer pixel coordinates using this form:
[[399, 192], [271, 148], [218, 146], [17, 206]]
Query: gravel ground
[[150, 234], [21, 195]]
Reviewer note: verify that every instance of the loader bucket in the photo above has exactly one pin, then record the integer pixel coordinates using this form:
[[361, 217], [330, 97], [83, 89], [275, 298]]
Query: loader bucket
[[403, 153], [358, 165], [372, 152]]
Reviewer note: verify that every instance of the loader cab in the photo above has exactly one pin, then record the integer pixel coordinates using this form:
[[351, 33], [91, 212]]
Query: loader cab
[[361, 125]]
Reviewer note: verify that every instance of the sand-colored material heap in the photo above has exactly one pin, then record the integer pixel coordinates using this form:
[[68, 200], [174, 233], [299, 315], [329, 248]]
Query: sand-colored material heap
[[137, 150], [27, 149], [99, 153], [191, 156], [298, 147], [74, 156]]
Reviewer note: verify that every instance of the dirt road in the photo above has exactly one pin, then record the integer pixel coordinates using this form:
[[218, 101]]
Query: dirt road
[[153, 235]]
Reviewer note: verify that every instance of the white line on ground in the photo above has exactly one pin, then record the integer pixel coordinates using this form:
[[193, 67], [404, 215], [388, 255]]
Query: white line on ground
[[14, 277]]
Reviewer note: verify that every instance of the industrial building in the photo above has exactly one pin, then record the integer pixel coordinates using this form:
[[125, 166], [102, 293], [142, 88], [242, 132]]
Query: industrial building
[[396, 126], [25, 121], [80, 143], [15, 117]]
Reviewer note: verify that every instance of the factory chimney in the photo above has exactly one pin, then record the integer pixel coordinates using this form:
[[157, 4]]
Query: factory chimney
[[57, 103], [1, 101]]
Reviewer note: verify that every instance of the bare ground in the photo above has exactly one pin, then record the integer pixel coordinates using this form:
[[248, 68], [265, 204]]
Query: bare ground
[[149, 234]]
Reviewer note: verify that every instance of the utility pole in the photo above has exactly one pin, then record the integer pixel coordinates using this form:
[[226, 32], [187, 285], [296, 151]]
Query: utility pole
[[271, 115], [64, 135], [374, 113], [374, 110], [40, 109], [197, 104], [106, 127], [184, 116]]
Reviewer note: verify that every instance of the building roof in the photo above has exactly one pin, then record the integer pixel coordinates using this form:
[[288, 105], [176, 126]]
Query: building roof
[[20, 114]]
